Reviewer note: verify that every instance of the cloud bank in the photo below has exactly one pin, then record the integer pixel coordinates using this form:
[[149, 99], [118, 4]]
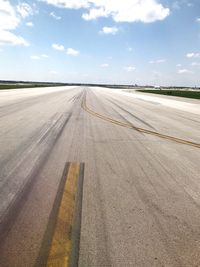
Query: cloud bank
[[121, 11], [10, 18]]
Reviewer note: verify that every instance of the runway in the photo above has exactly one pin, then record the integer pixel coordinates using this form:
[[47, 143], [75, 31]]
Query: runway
[[140, 203]]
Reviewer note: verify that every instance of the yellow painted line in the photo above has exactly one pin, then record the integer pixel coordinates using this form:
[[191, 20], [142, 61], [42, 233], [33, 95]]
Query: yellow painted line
[[130, 126], [60, 247]]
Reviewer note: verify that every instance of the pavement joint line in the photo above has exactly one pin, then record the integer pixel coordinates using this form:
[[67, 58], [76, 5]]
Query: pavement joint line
[[142, 130], [61, 243]]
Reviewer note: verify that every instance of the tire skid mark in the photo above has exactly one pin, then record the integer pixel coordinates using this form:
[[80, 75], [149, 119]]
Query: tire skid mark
[[134, 116], [10, 163], [16, 190], [142, 130], [61, 241], [26, 102]]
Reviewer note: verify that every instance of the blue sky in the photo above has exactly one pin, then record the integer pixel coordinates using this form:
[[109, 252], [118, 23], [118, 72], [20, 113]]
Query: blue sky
[[153, 42]]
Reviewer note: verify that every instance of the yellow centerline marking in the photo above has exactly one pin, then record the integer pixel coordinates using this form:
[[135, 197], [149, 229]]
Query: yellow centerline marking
[[142, 130], [60, 248]]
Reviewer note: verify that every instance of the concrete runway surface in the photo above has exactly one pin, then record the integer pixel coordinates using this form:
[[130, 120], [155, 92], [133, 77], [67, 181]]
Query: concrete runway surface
[[141, 191]]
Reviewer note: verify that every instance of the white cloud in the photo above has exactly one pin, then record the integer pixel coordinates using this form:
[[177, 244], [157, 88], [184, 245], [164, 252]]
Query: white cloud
[[69, 51], [156, 73], [195, 64], [109, 30], [9, 21], [53, 72], [9, 38], [157, 61], [58, 47], [198, 20], [130, 68], [178, 65], [8, 16], [74, 4], [121, 11], [193, 55], [95, 13], [29, 24], [24, 10], [105, 65], [178, 4], [189, 4], [35, 57], [72, 52], [44, 56], [160, 60], [73, 73], [184, 71], [53, 15]]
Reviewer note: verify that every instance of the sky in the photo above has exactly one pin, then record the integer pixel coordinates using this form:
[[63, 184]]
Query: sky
[[145, 42]]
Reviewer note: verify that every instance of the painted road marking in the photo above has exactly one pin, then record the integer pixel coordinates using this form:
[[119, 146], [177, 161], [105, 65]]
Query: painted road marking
[[130, 126], [61, 240]]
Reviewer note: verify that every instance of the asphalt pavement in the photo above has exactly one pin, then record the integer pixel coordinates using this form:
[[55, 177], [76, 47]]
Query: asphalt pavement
[[141, 191]]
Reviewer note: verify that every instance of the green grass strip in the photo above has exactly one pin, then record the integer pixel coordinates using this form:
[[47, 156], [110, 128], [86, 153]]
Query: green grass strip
[[20, 86], [188, 94]]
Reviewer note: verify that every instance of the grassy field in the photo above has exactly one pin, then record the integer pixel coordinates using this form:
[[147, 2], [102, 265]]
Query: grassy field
[[180, 93], [29, 85]]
